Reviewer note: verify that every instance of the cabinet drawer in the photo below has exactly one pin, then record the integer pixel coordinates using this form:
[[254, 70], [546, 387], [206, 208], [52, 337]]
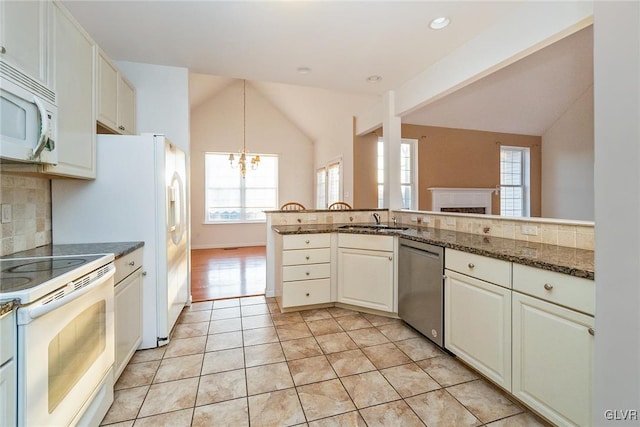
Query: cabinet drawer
[[305, 272], [303, 241], [306, 292], [127, 264], [361, 241], [306, 256], [570, 291], [478, 266]]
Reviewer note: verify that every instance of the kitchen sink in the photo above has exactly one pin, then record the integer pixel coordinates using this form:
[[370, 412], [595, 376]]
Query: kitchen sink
[[371, 227]]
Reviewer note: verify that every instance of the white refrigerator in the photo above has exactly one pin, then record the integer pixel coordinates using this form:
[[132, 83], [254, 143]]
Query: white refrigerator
[[139, 194]]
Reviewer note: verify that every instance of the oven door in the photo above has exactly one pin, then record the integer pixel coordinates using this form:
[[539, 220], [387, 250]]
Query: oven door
[[65, 351]]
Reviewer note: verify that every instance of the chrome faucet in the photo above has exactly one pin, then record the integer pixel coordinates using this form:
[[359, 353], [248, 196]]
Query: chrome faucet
[[376, 216]]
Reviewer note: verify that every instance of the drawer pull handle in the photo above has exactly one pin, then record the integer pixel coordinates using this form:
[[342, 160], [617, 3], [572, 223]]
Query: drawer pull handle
[[306, 241], [307, 273], [308, 294], [3, 50], [132, 263], [592, 332], [472, 265], [548, 287]]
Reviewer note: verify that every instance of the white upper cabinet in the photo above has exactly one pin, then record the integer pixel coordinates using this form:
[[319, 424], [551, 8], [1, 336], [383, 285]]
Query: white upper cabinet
[[24, 37], [126, 106], [116, 98]]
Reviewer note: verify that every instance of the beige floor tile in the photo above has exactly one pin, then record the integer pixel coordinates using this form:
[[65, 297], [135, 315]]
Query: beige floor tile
[[447, 371], [409, 380], [521, 420], [354, 321], [263, 354], [419, 348], [225, 303], [177, 368], [324, 327], [349, 419], [224, 341], [187, 330], [368, 389], [194, 316], [273, 307], [253, 322], [350, 362], [255, 310], [376, 320], [185, 346], [126, 404], [265, 378], [317, 314], [137, 374], [301, 348], [260, 299], [280, 319], [259, 336], [396, 413], [222, 386], [199, 306], [277, 408], [398, 332], [225, 325], [311, 370], [230, 413], [386, 355], [148, 355], [334, 343], [121, 424], [340, 312], [292, 331], [367, 337], [170, 396], [325, 399], [484, 400], [180, 418], [438, 408], [223, 360], [225, 313]]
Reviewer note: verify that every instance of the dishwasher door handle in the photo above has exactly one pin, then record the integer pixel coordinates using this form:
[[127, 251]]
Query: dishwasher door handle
[[421, 251]]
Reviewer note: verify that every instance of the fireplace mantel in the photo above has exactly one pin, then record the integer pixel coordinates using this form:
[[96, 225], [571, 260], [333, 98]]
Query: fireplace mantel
[[442, 197]]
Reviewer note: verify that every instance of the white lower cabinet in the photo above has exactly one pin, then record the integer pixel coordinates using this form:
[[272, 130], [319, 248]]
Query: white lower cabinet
[[553, 360], [366, 277], [478, 325]]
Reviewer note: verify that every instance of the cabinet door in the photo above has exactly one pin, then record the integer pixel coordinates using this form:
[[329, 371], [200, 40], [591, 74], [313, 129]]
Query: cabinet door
[[553, 360], [126, 107], [24, 36], [128, 319], [74, 82], [107, 93], [8, 392], [477, 325], [365, 278]]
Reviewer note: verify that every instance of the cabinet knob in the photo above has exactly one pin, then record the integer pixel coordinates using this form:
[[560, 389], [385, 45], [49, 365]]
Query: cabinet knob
[[592, 332], [3, 50], [144, 273], [307, 257], [472, 265], [548, 287], [306, 241], [132, 263], [121, 127], [307, 273], [390, 258], [308, 294]]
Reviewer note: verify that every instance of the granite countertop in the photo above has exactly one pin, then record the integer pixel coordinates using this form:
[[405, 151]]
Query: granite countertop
[[7, 306], [572, 261], [117, 248]]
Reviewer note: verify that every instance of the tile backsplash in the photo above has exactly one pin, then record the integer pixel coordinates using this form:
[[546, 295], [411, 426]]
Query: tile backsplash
[[29, 199]]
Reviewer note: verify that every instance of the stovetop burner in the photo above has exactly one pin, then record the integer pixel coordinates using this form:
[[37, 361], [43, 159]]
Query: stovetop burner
[[46, 265]]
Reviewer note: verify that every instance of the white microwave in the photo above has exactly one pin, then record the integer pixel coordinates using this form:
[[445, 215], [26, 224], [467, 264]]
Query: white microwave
[[27, 118]]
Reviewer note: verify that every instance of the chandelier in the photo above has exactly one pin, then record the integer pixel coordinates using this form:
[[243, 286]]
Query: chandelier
[[242, 161]]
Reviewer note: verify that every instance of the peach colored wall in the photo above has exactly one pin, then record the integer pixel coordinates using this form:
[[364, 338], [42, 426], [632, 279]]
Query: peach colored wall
[[365, 190]]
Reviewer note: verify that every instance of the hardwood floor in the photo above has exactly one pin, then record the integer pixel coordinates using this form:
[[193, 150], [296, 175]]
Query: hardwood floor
[[227, 273]]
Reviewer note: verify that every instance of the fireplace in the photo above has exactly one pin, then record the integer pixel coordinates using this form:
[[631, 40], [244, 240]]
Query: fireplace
[[461, 200]]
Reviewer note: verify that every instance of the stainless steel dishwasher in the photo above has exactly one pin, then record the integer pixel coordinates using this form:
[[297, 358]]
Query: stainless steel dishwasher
[[421, 288]]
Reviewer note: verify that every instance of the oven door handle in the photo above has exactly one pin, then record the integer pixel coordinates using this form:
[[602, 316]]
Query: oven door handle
[[27, 314]]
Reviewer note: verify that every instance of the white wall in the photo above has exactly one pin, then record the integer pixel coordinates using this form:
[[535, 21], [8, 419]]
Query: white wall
[[162, 100], [617, 196], [216, 126], [567, 163]]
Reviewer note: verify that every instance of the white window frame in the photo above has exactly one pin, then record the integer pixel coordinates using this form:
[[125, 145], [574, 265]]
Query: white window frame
[[326, 199], [525, 179], [413, 180], [243, 213]]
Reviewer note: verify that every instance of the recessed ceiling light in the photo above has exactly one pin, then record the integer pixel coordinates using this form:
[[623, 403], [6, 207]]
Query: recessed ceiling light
[[374, 79], [304, 70], [439, 23]]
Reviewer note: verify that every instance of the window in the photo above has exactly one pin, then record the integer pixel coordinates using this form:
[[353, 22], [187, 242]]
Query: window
[[328, 185], [231, 198], [514, 181], [408, 173]]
